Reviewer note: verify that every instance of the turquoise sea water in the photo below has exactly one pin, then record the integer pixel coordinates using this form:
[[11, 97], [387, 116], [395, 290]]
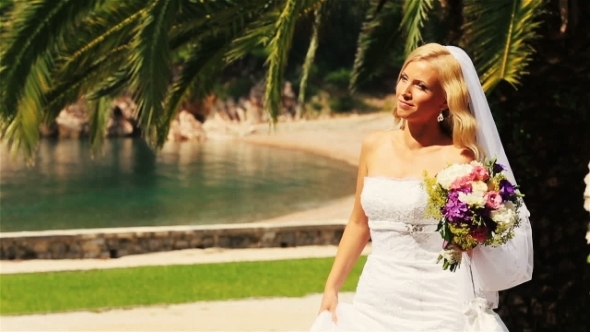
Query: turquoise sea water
[[186, 183]]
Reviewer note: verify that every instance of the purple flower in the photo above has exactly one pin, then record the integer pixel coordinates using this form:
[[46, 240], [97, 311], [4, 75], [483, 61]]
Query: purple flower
[[498, 168], [507, 190], [456, 211], [485, 215]]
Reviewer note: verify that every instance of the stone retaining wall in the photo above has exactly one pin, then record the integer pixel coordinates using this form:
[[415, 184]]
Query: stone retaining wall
[[117, 242]]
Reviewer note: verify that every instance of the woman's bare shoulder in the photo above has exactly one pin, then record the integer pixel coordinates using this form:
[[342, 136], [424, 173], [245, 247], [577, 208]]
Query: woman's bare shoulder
[[460, 155], [378, 138]]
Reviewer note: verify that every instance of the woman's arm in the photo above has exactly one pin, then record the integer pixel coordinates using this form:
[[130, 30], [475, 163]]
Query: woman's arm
[[356, 234]]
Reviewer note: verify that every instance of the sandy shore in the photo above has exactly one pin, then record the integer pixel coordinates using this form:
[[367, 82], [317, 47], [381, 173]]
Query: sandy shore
[[339, 139]]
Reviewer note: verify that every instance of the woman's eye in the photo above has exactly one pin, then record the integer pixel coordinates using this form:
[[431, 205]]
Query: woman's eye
[[422, 87]]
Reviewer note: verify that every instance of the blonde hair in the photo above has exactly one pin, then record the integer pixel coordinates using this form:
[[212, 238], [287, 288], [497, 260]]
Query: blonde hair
[[459, 123]]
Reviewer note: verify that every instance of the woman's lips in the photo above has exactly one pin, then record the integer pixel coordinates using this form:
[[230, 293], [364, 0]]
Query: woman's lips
[[404, 105]]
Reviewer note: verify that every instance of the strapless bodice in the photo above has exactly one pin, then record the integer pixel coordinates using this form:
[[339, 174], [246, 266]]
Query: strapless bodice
[[388, 201], [396, 212]]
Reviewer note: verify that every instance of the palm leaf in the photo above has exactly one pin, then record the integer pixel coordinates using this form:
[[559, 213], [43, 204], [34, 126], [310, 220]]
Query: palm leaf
[[415, 15], [257, 33], [235, 20], [99, 83], [205, 17], [22, 130], [105, 29], [195, 79], [498, 35], [278, 50], [96, 77], [5, 7], [309, 57], [377, 42], [150, 63], [112, 86], [99, 114], [38, 27]]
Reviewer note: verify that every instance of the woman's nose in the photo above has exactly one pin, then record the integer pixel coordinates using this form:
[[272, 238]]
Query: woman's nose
[[406, 92]]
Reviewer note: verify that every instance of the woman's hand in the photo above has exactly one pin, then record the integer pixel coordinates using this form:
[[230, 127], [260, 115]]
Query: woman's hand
[[329, 303]]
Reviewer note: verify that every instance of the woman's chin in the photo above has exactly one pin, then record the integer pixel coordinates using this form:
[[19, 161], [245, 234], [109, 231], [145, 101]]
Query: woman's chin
[[404, 115]]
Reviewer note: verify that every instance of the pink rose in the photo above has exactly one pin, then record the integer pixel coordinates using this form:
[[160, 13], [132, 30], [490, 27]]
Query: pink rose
[[480, 173], [462, 182], [493, 200]]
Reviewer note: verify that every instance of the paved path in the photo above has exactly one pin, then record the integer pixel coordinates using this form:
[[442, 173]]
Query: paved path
[[277, 314], [177, 257]]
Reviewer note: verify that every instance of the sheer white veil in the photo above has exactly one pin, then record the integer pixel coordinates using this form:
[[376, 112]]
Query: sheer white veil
[[487, 132], [512, 263]]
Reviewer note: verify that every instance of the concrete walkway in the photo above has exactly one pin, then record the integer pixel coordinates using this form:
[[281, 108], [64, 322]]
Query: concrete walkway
[[276, 314], [177, 257]]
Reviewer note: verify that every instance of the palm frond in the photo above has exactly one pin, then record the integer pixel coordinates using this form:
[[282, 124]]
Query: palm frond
[[278, 49], [200, 58], [21, 131], [256, 34], [112, 86], [105, 29], [5, 8], [37, 29], [98, 120], [377, 42], [95, 77], [415, 15], [150, 61], [98, 84], [195, 20], [229, 20], [309, 57], [498, 35], [195, 79]]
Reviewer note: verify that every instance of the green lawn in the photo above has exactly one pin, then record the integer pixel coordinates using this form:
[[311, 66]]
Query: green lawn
[[100, 289]]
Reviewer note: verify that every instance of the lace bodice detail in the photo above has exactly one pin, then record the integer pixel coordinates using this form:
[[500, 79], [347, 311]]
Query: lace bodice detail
[[387, 201], [396, 212]]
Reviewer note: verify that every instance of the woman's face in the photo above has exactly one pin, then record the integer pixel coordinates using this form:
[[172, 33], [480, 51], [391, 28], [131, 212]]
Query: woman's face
[[419, 94]]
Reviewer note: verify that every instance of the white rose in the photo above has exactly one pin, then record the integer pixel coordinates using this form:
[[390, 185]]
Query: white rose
[[473, 199], [479, 187], [505, 215], [452, 255], [448, 175], [510, 206]]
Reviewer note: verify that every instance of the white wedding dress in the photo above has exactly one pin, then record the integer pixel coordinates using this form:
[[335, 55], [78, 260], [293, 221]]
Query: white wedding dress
[[402, 288]]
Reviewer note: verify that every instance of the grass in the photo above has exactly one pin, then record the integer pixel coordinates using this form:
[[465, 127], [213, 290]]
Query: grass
[[119, 288]]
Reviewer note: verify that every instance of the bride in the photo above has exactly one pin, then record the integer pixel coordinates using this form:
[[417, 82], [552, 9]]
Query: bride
[[443, 117]]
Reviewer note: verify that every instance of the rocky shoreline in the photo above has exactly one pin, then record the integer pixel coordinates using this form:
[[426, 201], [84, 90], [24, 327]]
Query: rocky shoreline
[[213, 116]]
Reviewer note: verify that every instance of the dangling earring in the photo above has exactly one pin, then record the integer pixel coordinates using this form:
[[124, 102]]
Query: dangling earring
[[440, 117]]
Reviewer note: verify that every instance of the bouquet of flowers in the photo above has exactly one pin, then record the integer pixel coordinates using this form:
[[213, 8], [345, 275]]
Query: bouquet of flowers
[[475, 204]]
